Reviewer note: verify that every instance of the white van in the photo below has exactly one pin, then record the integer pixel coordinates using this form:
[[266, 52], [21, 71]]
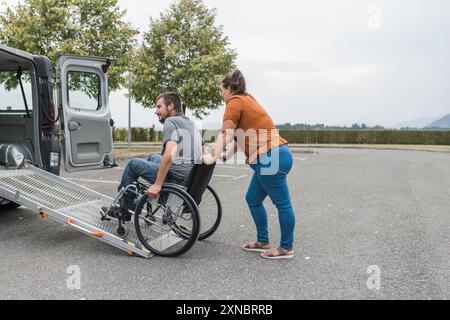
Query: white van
[[43, 116]]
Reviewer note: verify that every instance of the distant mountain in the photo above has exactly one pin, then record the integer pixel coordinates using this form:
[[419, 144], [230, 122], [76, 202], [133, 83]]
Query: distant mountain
[[417, 123], [443, 123]]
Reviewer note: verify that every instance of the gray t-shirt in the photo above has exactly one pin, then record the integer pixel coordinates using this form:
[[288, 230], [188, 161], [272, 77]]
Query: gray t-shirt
[[189, 146]]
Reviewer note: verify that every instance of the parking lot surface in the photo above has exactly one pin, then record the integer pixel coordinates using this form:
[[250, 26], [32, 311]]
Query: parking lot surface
[[371, 224]]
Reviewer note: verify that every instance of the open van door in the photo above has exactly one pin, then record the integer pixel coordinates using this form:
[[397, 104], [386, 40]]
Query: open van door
[[83, 98]]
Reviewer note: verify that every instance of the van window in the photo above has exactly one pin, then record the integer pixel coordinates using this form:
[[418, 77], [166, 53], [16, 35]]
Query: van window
[[12, 100], [84, 90]]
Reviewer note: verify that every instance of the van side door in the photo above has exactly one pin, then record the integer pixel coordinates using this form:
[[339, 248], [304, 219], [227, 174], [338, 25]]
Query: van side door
[[86, 116]]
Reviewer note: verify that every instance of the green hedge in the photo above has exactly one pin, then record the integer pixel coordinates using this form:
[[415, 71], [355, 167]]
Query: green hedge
[[138, 135], [315, 136], [367, 137]]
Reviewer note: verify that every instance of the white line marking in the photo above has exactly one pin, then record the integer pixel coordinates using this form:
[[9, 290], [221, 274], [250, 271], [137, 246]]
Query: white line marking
[[223, 176], [226, 167], [232, 167], [240, 177], [117, 182], [89, 180], [218, 166], [302, 159]]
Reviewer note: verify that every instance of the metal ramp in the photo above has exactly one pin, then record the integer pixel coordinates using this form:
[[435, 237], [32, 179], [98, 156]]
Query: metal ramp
[[66, 202]]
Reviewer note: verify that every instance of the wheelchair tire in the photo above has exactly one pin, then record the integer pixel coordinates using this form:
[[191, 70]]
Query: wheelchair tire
[[210, 210], [161, 231]]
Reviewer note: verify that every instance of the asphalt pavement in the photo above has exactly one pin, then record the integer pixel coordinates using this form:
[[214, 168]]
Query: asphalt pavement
[[371, 224]]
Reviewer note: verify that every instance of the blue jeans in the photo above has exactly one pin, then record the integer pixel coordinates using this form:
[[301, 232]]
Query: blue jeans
[[139, 168], [269, 179]]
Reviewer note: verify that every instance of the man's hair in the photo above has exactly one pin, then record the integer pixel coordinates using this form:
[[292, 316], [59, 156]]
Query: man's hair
[[171, 97], [234, 81]]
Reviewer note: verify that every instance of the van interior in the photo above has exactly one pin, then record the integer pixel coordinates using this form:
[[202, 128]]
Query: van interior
[[17, 101]]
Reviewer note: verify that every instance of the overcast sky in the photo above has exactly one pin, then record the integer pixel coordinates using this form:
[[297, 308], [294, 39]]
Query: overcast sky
[[326, 61]]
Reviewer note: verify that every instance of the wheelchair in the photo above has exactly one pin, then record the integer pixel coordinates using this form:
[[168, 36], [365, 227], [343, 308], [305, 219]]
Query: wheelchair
[[173, 218]]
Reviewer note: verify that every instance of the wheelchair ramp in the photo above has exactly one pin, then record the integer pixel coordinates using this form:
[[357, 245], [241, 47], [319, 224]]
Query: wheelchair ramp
[[66, 202]]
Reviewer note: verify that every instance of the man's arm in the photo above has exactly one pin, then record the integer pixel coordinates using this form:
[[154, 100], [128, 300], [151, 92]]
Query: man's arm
[[166, 163]]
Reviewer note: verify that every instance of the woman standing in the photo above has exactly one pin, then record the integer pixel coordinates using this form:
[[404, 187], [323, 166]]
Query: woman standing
[[248, 126]]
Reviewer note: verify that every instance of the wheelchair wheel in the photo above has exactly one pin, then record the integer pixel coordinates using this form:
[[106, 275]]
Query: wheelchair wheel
[[168, 225], [210, 210], [122, 231]]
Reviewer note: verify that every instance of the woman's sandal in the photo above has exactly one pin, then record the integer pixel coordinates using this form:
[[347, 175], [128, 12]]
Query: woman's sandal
[[278, 253], [257, 247]]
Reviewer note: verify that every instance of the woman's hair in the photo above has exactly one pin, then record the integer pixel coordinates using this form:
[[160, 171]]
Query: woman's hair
[[234, 81]]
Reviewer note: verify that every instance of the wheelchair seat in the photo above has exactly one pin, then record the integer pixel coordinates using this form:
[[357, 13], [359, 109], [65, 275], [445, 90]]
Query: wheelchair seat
[[198, 180], [144, 182]]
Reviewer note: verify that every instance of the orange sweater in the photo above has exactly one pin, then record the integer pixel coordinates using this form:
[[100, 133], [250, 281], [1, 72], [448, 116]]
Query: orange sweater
[[256, 133]]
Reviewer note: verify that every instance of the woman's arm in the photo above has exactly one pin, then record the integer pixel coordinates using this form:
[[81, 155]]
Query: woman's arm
[[231, 150], [223, 140]]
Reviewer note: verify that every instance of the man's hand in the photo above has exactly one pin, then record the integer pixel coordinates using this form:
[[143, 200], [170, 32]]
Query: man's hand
[[154, 191], [164, 166]]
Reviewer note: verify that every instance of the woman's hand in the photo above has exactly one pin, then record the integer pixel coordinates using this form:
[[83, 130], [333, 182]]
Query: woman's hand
[[209, 149], [224, 156], [208, 159], [209, 154], [154, 191]]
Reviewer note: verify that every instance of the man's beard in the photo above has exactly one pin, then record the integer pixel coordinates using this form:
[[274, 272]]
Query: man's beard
[[162, 120]]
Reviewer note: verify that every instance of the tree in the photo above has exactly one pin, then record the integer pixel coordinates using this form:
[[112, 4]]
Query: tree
[[79, 27], [183, 52]]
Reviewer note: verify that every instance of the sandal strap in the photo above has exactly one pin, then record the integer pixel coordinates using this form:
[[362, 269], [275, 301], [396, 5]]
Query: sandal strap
[[251, 245], [270, 253], [255, 245], [280, 252]]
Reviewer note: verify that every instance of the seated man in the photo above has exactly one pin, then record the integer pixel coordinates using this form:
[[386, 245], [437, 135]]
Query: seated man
[[181, 148]]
